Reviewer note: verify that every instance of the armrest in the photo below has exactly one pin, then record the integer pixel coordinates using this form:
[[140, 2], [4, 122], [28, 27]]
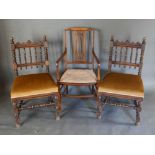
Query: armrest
[[96, 58], [98, 63], [57, 64], [61, 57]]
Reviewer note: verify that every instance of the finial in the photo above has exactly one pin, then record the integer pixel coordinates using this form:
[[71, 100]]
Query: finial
[[112, 38], [45, 38], [144, 40], [12, 40]]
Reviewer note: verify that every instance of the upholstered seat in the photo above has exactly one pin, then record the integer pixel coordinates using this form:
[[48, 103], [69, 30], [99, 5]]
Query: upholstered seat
[[122, 84], [78, 76], [33, 84]]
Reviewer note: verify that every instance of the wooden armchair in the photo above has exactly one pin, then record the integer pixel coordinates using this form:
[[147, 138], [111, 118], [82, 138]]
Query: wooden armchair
[[32, 86], [121, 85], [79, 42]]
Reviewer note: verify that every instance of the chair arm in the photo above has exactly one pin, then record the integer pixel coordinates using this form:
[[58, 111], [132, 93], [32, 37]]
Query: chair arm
[[61, 57], [57, 64], [98, 63]]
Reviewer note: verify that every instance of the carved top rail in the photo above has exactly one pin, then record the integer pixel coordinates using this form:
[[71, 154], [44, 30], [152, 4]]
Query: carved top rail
[[29, 54], [79, 29], [127, 44], [126, 54]]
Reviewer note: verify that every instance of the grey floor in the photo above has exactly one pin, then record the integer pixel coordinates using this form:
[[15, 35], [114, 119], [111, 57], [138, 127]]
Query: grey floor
[[78, 117]]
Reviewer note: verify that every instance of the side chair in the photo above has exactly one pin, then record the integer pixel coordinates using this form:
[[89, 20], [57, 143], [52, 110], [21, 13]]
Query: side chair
[[123, 85], [26, 56]]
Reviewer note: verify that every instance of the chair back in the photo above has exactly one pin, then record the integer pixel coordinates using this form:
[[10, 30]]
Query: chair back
[[126, 54], [29, 54], [81, 44]]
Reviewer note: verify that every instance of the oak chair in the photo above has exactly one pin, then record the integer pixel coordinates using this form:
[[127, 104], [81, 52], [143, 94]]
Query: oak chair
[[78, 50], [27, 55], [122, 85]]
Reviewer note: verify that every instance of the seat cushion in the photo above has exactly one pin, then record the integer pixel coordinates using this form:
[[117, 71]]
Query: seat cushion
[[78, 76], [33, 84], [122, 84]]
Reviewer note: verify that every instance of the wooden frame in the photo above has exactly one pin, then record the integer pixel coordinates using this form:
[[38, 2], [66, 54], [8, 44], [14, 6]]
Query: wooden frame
[[104, 98], [78, 57], [17, 49]]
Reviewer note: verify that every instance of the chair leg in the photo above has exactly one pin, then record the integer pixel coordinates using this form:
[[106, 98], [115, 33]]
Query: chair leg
[[16, 114], [50, 99], [58, 107], [138, 110], [99, 109], [92, 90], [67, 89]]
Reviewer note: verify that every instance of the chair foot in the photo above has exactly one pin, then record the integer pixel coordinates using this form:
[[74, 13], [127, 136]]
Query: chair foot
[[138, 110], [137, 123], [58, 108], [18, 126], [98, 115], [16, 114], [57, 118], [137, 118]]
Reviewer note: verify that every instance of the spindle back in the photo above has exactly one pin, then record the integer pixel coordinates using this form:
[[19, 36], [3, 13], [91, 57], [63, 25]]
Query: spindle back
[[29, 54], [126, 54]]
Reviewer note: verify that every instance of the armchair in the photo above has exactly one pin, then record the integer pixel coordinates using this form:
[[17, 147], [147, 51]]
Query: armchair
[[78, 50]]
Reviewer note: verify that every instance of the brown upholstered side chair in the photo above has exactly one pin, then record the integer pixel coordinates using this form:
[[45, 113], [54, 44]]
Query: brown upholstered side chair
[[121, 85], [78, 50], [32, 86]]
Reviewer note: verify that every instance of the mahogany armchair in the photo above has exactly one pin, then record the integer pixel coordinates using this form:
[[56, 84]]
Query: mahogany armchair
[[32, 86], [78, 50], [121, 85]]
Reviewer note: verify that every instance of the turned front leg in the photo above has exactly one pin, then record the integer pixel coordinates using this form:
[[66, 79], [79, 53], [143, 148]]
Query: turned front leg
[[138, 110], [16, 114], [58, 107]]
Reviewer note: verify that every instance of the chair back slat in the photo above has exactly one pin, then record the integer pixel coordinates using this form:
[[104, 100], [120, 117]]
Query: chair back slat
[[130, 54], [136, 57], [41, 56], [25, 58], [115, 55], [36, 59], [23, 54], [125, 57], [120, 56], [30, 56], [19, 55]]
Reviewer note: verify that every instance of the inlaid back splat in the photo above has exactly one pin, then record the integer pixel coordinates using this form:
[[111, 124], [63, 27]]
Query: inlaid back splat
[[79, 46], [131, 54], [27, 50]]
